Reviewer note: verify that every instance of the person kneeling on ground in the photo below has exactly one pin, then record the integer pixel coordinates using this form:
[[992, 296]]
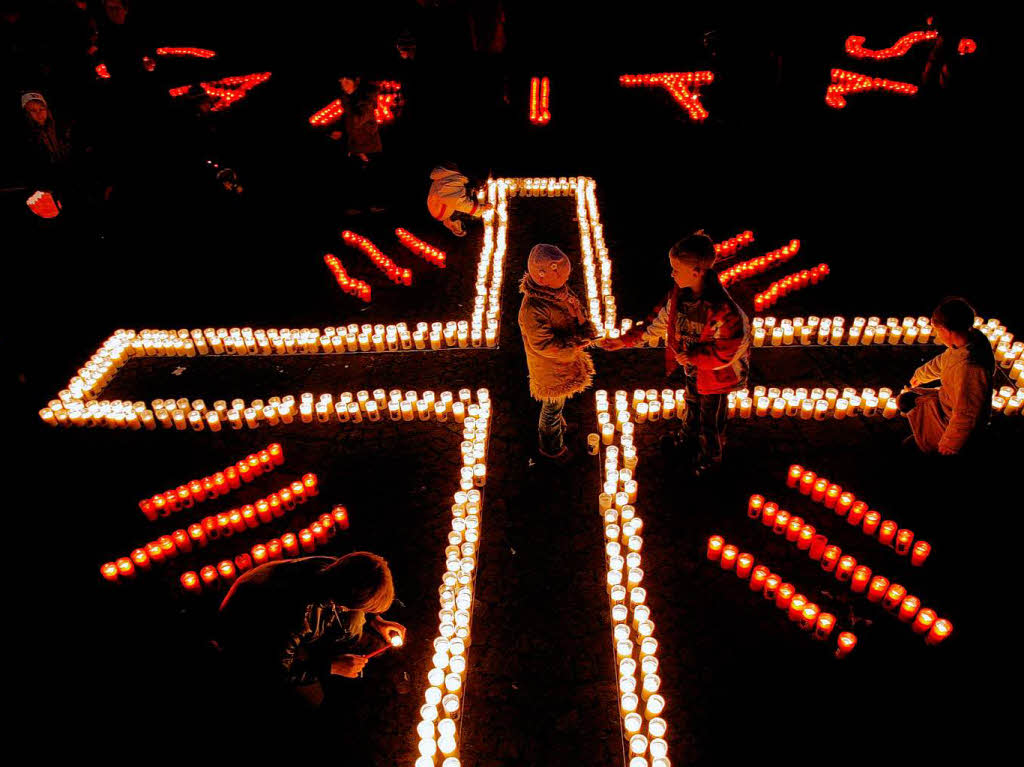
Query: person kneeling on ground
[[947, 418], [555, 332], [706, 334], [448, 201], [289, 624]]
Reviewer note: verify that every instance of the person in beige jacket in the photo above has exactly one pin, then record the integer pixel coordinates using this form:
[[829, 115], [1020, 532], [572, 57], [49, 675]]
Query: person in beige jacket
[[946, 419], [555, 332]]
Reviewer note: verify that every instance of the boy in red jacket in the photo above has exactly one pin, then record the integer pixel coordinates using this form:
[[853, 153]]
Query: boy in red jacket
[[707, 335]]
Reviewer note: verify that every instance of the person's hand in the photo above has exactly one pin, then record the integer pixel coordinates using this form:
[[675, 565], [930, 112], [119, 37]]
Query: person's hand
[[943, 450], [390, 629], [335, 134], [348, 665], [610, 344]]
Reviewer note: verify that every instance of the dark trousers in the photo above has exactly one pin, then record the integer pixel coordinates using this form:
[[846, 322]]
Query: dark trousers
[[551, 427], [704, 427]]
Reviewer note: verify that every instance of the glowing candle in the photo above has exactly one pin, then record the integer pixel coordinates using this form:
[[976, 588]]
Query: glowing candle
[[190, 582], [924, 620], [754, 506], [879, 586], [763, 403], [783, 594], [859, 580], [832, 496], [887, 532], [781, 522], [871, 521], [768, 514], [758, 577], [746, 404], [941, 629], [818, 493], [772, 584], [807, 482], [847, 641], [744, 564], [809, 616], [794, 475], [728, 558], [793, 528], [908, 608], [226, 570], [823, 625], [857, 512], [894, 596], [844, 503], [109, 572], [796, 606], [920, 553], [891, 409]]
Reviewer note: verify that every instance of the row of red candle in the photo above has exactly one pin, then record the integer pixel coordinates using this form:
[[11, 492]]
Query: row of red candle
[[350, 285], [329, 114], [221, 483], [678, 84], [222, 525], [197, 53], [855, 46], [382, 112], [788, 284], [845, 504], [745, 269], [726, 248], [395, 273], [540, 88], [877, 588], [844, 82], [763, 581], [227, 90], [288, 545], [428, 253]]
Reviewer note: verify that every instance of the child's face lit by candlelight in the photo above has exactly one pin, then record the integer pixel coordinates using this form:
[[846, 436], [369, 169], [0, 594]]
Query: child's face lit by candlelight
[[685, 273]]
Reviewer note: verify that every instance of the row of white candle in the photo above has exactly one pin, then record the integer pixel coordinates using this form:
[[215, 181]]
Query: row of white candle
[[181, 414], [825, 330], [641, 703], [496, 223], [437, 731]]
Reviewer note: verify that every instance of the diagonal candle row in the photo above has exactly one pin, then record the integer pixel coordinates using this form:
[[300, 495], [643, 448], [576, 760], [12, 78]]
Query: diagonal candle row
[[353, 287], [284, 547], [220, 483], [747, 269], [771, 585], [393, 271], [788, 284], [196, 53], [212, 527], [679, 84], [427, 252], [727, 248], [878, 589], [855, 46], [844, 82], [845, 504]]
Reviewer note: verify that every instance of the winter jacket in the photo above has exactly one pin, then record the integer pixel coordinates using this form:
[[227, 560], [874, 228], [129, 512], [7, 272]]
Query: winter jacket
[[712, 330], [362, 133], [947, 417], [448, 194], [554, 329], [277, 622]]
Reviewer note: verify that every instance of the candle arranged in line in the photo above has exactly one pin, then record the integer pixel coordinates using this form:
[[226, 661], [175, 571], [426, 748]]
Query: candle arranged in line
[[729, 247], [353, 287], [228, 90], [746, 269], [395, 273], [788, 284], [855, 46], [845, 83], [196, 53], [428, 253], [684, 87], [540, 96]]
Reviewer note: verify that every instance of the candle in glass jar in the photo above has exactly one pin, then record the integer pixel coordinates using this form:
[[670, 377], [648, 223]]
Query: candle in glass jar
[[887, 532], [847, 641], [941, 629], [793, 528], [715, 545], [758, 577], [729, 555], [845, 567], [768, 514], [754, 506], [824, 624], [894, 596], [796, 607], [807, 481], [924, 620], [744, 564], [809, 616], [771, 586], [781, 522], [783, 594], [817, 546], [859, 580], [805, 537], [857, 512], [908, 608], [844, 503], [871, 522], [879, 586], [818, 492], [920, 553], [832, 496]]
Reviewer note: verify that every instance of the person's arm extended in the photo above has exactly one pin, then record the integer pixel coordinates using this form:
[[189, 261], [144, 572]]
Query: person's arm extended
[[728, 341], [929, 371], [656, 326], [537, 331], [970, 393]]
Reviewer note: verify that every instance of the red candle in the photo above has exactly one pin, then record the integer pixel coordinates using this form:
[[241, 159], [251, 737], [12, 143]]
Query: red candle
[[195, 487], [276, 453], [320, 535], [249, 517], [796, 606], [274, 505], [181, 541], [226, 570], [894, 596], [818, 493], [887, 532], [125, 567], [254, 465], [259, 554], [845, 568], [809, 616], [171, 502], [941, 629], [920, 553], [758, 577], [793, 528], [879, 585], [327, 522], [909, 608], [817, 547], [167, 547], [744, 564], [783, 595], [140, 559], [197, 534], [904, 538], [109, 572], [830, 558], [754, 506], [715, 544], [308, 544], [871, 521], [287, 499], [220, 484], [781, 522], [185, 499], [231, 475], [266, 462], [823, 628], [857, 512], [768, 514], [237, 522], [807, 534], [299, 491], [155, 553], [796, 471], [807, 482], [209, 487], [845, 503], [190, 582], [211, 527], [208, 575], [340, 515], [244, 472], [832, 495], [309, 482], [729, 554], [159, 505], [859, 581], [924, 620], [847, 641], [274, 548], [771, 586], [148, 509], [243, 562], [265, 510], [224, 525], [290, 544]]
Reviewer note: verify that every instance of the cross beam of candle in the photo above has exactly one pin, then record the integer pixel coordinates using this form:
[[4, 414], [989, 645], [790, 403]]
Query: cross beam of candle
[[684, 87], [844, 83]]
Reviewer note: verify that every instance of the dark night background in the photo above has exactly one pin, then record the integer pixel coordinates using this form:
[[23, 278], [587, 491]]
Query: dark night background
[[901, 196]]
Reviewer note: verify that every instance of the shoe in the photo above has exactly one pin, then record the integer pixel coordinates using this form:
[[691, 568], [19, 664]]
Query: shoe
[[455, 227], [563, 457]]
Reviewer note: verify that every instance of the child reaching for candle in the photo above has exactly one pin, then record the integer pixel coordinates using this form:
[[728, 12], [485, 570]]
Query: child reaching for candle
[[448, 200], [555, 333], [706, 335]]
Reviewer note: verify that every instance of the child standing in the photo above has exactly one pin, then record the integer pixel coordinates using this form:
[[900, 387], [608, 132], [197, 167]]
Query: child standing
[[448, 199], [555, 332], [707, 335]]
